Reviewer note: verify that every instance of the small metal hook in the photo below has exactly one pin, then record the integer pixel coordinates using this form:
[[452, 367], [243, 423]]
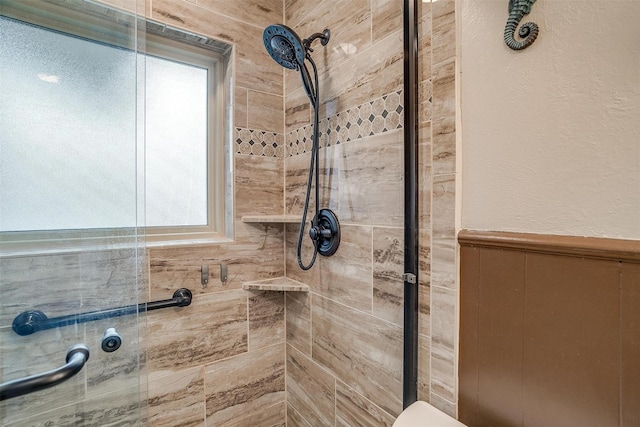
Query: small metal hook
[[204, 275]]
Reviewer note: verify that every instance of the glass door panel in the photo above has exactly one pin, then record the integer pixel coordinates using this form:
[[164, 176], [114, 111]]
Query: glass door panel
[[70, 239]]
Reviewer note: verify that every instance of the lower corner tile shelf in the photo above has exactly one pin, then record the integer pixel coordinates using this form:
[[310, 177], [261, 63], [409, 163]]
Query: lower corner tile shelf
[[277, 284]]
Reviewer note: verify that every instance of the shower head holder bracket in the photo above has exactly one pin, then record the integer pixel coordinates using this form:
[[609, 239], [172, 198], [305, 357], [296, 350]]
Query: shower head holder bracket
[[324, 37]]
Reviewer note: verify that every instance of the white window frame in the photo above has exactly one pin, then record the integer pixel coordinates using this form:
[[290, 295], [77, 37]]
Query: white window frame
[[214, 230]]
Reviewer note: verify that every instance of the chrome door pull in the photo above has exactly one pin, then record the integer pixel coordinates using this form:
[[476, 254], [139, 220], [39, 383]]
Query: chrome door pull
[[77, 356]]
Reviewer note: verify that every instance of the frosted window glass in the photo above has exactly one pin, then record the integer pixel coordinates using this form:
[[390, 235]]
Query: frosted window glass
[[68, 135], [176, 143], [67, 132]]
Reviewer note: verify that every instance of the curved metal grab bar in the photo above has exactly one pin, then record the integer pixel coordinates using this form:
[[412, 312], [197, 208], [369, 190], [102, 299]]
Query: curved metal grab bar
[[77, 356], [29, 322]]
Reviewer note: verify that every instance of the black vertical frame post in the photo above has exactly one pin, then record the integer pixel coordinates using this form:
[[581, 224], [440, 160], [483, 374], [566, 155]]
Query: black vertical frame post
[[411, 250]]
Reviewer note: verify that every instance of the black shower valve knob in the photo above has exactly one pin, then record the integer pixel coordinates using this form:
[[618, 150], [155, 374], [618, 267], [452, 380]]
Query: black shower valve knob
[[317, 232]]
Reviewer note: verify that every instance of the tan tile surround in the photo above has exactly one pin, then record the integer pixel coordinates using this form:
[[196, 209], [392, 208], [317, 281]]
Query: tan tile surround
[[219, 361], [225, 359], [355, 308], [241, 368]]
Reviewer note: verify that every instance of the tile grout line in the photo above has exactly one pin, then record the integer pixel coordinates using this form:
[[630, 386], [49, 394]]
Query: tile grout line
[[335, 401], [372, 273], [244, 353], [246, 102], [311, 324], [248, 326], [286, 393], [232, 18], [368, 400], [204, 394], [357, 309], [430, 154], [246, 417], [300, 415]]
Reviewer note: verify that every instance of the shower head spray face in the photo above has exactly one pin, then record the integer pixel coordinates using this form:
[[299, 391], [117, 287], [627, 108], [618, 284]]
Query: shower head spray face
[[284, 46]]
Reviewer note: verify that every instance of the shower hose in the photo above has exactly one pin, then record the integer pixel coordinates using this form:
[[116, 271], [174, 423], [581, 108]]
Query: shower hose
[[314, 166]]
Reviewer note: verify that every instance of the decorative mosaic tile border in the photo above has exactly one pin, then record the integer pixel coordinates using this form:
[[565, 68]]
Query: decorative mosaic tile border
[[371, 118], [252, 142]]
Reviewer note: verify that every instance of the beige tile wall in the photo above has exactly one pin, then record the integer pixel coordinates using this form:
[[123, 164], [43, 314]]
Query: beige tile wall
[[344, 341], [63, 284], [438, 99], [219, 361], [223, 363]]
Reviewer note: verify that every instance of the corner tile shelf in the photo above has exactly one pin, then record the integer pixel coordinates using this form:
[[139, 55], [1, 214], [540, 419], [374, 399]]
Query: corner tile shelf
[[282, 219], [277, 284]]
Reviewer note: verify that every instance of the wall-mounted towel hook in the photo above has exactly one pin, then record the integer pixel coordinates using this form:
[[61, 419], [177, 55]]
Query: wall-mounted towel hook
[[204, 275], [223, 273]]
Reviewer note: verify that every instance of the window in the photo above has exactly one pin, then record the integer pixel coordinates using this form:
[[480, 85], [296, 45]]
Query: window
[[73, 164], [184, 157]]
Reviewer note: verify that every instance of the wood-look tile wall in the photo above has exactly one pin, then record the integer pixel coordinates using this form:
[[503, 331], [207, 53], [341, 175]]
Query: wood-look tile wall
[[549, 334], [108, 387], [343, 351], [344, 340], [438, 176], [222, 363], [217, 362]]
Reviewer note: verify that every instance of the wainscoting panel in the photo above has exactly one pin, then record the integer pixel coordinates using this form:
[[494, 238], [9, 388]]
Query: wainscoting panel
[[550, 330]]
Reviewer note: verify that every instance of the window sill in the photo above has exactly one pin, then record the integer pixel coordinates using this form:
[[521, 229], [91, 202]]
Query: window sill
[[186, 242], [65, 245]]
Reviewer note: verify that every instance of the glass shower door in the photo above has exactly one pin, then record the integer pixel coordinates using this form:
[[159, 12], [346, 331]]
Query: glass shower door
[[70, 203]]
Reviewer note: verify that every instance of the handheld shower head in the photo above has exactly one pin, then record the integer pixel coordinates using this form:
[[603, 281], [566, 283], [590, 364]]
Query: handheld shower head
[[284, 46], [288, 50]]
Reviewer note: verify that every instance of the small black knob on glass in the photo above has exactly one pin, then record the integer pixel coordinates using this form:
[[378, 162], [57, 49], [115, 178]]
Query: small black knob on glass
[[111, 340]]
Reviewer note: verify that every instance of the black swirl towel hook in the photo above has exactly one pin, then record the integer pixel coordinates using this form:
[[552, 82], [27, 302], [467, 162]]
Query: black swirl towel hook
[[528, 32]]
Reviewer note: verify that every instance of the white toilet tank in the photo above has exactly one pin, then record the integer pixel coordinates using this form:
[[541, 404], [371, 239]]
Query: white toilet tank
[[421, 414]]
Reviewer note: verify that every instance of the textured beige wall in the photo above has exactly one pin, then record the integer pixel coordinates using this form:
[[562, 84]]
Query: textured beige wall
[[551, 133]]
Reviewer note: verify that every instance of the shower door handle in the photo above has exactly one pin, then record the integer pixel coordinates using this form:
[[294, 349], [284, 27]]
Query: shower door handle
[[77, 356]]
